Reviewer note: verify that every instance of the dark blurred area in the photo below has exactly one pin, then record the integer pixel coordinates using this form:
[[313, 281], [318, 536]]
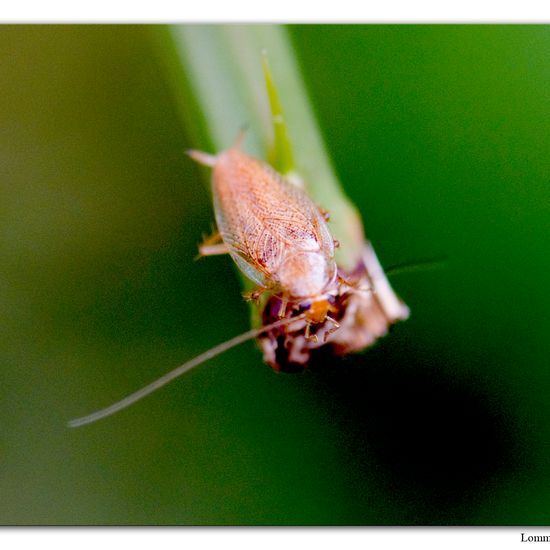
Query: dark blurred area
[[438, 443], [441, 137]]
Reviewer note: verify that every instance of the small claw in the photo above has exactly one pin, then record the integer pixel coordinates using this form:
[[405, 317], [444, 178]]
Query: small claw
[[253, 295]]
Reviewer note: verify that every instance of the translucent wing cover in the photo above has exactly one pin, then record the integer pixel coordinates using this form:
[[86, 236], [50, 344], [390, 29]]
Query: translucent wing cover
[[262, 218]]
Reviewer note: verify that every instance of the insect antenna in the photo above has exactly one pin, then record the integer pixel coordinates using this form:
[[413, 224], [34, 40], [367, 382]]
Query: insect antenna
[[421, 265], [178, 371]]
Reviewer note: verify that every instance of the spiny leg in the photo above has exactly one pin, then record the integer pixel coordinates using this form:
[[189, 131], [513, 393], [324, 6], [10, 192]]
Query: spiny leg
[[335, 327], [310, 337], [212, 245], [212, 250], [354, 286], [254, 295], [282, 308]]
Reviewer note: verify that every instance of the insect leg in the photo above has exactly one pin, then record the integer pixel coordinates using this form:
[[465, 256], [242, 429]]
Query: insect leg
[[282, 309], [310, 337], [212, 246], [324, 213], [356, 286], [215, 238], [344, 281], [213, 249], [254, 295], [335, 327]]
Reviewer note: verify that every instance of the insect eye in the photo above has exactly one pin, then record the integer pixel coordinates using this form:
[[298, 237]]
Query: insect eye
[[331, 299], [304, 306]]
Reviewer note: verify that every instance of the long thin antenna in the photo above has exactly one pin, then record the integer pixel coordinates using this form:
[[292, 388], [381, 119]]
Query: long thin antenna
[[420, 265], [182, 369]]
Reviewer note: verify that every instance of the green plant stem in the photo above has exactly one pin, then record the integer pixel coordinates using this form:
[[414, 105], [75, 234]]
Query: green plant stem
[[217, 75]]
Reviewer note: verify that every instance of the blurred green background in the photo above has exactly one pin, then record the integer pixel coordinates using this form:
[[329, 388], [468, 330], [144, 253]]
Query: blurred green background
[[440, 135]]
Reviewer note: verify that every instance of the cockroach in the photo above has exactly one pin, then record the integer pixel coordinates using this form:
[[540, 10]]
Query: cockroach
[[275, 233], [280, 239]]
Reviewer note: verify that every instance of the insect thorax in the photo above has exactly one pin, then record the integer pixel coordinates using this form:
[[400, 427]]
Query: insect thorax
[[306, 274]]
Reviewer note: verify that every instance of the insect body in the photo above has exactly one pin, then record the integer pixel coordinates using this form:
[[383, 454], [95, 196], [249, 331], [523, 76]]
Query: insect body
[[281, 241], [274, 232]]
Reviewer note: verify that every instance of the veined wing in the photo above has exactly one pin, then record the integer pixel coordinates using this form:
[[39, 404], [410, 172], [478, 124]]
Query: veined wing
[[262, 217]]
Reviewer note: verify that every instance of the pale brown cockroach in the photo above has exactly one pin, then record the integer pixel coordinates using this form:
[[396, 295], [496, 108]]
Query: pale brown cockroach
[[275, 234], [280, 239]]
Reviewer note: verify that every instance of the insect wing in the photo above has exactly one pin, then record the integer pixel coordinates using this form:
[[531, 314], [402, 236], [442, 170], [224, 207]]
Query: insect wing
[[262, 217]]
